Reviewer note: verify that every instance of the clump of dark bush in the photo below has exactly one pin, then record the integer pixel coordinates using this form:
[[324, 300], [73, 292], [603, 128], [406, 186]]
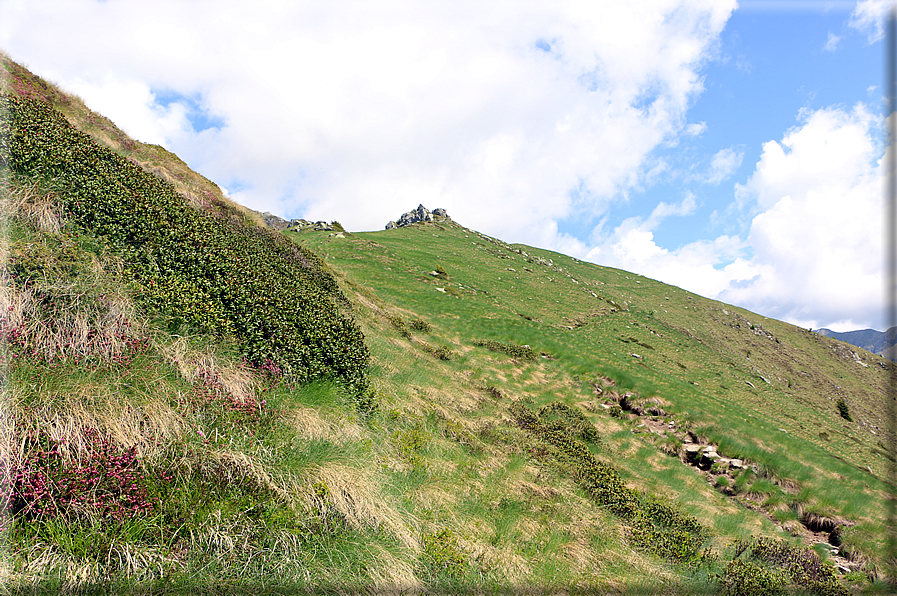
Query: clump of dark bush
[[800, 567], [400, 326], [744, 578], [440, 352], [494, 392], [575, 420], [511, 349], [420, 325], [843, 410], [652, 526], [204, 269]]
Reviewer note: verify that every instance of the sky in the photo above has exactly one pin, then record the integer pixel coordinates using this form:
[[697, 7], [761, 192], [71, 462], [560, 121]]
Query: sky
[[731, 149]]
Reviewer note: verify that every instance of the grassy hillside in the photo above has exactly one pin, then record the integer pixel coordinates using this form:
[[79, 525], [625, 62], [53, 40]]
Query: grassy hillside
[[191, 402]]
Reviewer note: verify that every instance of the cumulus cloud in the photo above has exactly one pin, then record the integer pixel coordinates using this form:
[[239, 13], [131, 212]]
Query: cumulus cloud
[[819, 236], [133, 104], [359, 111], [813, 254]]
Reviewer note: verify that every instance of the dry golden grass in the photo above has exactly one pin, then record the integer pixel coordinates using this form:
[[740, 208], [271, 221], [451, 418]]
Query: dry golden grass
[[146, 426], [313, 424], [32, 205], [196, 364], [390, 573], [358, 495]]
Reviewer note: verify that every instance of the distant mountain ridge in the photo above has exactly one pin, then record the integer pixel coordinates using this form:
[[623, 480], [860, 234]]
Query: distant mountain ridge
[[877, 342]]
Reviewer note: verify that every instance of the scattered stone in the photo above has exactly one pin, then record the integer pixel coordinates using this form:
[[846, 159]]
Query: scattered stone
[[736, 464]]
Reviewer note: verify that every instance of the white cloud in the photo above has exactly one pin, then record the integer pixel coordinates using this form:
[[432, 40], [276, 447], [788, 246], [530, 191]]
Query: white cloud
[[831, 145], [359, 111], [132, 104], [695, 129], [869, 17], [831, 43], [723, 164], [819, 237], [813, 255]]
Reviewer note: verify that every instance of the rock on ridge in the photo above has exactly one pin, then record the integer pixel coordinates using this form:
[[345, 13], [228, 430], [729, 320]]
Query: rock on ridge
[[418, 215]]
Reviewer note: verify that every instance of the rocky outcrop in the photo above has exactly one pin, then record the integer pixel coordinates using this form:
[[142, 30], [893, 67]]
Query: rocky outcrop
[[274, 222], [304, 224], [418, 215]]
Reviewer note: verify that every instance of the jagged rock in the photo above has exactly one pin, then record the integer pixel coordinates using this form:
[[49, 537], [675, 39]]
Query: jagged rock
[[274, 222], [299, 224], [304, 224], [692, 451], [418, 215]]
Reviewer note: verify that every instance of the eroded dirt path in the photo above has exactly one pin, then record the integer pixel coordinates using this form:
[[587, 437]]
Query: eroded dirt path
[[723, 473]]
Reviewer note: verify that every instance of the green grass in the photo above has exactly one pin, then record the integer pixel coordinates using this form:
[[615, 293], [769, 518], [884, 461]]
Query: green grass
[[696, 364]]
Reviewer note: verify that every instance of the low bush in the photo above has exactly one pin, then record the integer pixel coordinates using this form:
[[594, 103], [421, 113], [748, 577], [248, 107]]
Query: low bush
[[400, 326], [511, 349], [441, 352], [420, 325], [652, 526], [800, 567], [843, 410], [442, 554], [205, 268], [744, 578], [575, 421]]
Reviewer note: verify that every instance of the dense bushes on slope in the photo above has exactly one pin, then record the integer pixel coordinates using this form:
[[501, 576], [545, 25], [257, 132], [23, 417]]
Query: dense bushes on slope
[[653, 526], [199, 268]]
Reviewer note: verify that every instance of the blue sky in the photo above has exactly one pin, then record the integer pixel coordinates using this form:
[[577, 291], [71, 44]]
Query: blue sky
[[730, 149]]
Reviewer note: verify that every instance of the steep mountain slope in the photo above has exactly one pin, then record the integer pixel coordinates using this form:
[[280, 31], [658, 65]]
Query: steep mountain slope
[[877, 342], [513, 417]]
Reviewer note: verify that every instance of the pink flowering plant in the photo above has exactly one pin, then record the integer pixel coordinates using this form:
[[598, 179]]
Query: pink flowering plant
[[105, 481]]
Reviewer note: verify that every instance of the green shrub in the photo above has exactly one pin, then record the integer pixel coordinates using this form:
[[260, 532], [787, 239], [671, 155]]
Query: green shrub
[[652, 525], [399, 324], [440, 270], [207, 269], [442, 554], [511, 349], [575, 420], [440, 352], [843, 410], [744, 578], [420, 325]]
